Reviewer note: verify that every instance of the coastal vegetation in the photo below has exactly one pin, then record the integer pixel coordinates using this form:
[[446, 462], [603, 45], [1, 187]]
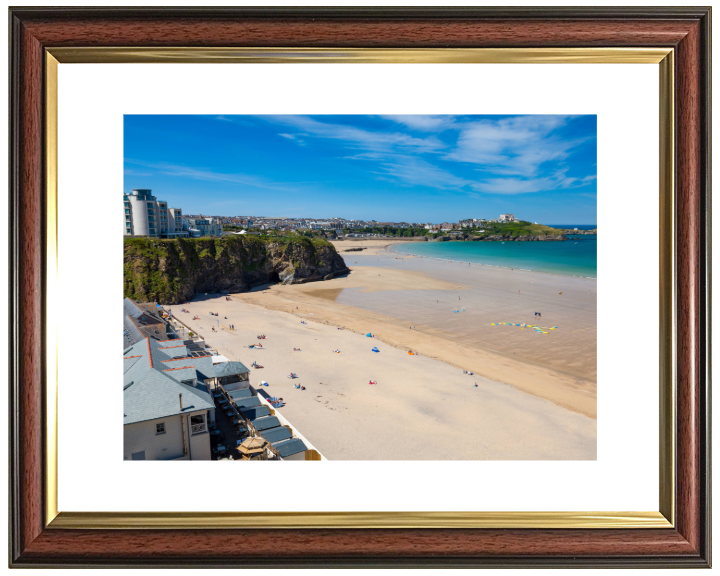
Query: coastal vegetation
[[173, 271], [512, 229]]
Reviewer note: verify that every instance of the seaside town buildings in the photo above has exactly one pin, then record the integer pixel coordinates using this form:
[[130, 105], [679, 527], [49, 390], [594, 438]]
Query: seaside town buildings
[[199, 226], [184, 401], [145, 215]]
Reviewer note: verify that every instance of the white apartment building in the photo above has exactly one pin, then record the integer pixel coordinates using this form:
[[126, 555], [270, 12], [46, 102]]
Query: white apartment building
[[508, 218], [145, 215]]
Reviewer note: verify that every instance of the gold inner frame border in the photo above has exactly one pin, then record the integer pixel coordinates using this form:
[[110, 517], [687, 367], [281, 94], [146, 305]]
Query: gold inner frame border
[[664, 517]]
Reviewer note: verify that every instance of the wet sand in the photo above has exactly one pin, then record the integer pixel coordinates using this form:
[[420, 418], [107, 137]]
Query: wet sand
[[387, 294]]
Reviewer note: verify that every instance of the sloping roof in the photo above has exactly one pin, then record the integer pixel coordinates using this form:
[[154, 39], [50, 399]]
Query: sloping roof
[[266, 423], [150, 393], [131, 334], [230, 368], [247, 402], [157, 396], [177, 350], [241, 393], [141, 321], [130, 308], [254, 412], [277, 434], [289, 447]]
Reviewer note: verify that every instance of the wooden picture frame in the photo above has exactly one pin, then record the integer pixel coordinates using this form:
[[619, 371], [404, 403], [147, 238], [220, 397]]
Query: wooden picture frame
[[38, 36]]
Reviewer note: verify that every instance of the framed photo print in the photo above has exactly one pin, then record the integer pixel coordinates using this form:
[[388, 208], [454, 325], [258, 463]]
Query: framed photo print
[[396, 287]]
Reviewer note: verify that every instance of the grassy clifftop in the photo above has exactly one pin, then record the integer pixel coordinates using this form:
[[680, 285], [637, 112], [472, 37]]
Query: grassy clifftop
[[516, 229], [172, 271]]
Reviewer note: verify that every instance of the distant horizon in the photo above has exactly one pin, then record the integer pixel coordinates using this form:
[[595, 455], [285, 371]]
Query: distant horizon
[[385, 168]]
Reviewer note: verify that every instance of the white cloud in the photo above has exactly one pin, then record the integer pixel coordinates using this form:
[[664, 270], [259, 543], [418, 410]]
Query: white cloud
[[512, 146]]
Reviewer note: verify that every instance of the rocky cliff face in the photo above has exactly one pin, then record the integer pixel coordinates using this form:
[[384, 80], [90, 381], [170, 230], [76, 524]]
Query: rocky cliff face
[[174, 271]]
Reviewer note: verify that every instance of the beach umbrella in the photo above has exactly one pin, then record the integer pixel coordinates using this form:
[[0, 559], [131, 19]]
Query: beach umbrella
[[375, 350], [252, 446], [368, 335]]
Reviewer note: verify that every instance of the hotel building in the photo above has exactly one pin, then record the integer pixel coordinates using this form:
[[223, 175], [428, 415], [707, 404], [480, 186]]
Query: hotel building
[[145, 215]]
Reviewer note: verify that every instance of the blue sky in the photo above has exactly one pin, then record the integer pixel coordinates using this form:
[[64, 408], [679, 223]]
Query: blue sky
[[386, 168]]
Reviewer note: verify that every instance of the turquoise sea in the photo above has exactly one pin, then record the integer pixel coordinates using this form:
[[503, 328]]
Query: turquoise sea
[[575, 257]]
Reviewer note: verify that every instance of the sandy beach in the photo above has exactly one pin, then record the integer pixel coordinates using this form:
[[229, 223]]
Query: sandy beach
[[420, 409], [536, 393]]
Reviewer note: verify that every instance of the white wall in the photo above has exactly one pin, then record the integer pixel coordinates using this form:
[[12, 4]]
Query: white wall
[[143, 436], [236, 385], [199, 443], [141, 224]]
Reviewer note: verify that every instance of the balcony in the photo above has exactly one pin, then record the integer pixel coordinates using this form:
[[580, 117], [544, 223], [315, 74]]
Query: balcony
[[198, 428]]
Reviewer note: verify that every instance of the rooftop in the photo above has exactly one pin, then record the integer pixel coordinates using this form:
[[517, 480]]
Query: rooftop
[[153, 381]]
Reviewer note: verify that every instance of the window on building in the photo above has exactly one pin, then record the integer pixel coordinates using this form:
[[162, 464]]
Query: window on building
[[138, 455], [160, 428], [197, 424]]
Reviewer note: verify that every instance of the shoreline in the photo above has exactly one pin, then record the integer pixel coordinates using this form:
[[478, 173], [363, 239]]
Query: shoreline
[[390, 249], [546, 369], [387, 244]]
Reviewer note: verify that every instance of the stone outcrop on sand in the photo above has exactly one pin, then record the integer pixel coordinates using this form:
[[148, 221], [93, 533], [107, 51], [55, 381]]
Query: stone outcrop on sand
[[174, 271]]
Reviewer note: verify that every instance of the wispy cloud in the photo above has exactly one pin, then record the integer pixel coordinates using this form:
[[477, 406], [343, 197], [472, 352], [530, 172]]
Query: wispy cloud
[[212, 176], [518, 155], [511, 186], [424, 123], [517, 145], [295, 138], [133, 172], [416, 171], [510, 155], [359, 138]]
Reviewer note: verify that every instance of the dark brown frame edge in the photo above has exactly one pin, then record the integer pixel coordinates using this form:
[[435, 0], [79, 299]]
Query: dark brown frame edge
[[685, 29]]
